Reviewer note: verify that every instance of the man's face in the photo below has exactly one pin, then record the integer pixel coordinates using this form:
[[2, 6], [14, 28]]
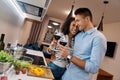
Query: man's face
[[81, 22]]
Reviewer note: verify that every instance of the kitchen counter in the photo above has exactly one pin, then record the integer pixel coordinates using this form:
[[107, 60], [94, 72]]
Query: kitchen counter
[[11, 72]]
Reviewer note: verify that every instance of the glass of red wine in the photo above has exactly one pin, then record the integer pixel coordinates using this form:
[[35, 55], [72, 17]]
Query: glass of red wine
[[57, 34], [64, 43], [57, 37]]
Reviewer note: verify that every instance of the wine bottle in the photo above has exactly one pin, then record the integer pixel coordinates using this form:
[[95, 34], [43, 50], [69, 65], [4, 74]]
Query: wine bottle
[[2, 44]]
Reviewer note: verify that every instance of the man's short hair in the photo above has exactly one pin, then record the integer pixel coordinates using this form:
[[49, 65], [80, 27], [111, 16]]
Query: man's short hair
[[85, 12]]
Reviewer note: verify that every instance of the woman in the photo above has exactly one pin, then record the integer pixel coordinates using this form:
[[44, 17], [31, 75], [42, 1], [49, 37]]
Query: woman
[[58, 65]]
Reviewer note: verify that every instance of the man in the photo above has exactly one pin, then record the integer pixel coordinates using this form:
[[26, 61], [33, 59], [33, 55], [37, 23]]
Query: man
[[89, 49]]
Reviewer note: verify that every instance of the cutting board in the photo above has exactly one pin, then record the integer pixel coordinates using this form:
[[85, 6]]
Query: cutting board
[[48, 74]]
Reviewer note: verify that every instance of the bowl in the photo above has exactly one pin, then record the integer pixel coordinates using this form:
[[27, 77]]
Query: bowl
[[26, 58], [4, 66]]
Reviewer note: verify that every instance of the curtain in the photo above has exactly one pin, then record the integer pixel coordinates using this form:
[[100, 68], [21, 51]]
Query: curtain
[[43, 29], [36, 30]]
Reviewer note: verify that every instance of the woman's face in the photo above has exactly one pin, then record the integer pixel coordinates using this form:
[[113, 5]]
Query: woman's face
[[73, 29]]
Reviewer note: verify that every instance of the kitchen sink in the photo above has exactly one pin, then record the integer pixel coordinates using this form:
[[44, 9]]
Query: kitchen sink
[[37, 60]]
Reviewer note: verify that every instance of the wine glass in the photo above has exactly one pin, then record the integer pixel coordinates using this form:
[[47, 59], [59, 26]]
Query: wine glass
[[57, 34], [56, 48], [63, 41], [57, 37]]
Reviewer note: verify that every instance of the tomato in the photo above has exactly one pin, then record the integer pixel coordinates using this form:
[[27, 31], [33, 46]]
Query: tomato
[[4, 78], [24, 71], [17, 72]]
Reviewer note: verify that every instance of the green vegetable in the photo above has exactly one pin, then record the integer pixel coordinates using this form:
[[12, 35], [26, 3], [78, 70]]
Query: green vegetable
[[25, 64], [17, 63], [21, 64], [5, 57]]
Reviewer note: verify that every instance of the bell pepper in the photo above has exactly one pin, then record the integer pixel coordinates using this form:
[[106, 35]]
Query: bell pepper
[[38, 71]]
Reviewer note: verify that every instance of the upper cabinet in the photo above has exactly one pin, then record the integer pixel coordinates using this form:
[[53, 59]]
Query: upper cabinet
[[33, 9]]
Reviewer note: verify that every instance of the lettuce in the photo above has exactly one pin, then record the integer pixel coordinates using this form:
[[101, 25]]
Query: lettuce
[[5, 57]]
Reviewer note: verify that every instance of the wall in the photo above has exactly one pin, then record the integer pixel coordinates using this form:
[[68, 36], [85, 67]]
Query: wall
[[10, 22], [25, 31], [112, 65]]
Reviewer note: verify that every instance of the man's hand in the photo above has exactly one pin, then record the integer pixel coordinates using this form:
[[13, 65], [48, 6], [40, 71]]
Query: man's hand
[[64, 52]]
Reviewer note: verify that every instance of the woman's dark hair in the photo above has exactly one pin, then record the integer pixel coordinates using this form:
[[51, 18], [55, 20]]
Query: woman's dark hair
[[84, 11], [66, 26]]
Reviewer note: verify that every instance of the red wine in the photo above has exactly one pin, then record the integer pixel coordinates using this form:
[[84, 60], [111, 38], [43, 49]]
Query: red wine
[[63, 43], [2, 44], [57, 37]]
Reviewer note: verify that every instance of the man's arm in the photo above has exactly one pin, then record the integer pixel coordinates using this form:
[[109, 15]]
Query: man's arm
[[80, 63], [93, 63]]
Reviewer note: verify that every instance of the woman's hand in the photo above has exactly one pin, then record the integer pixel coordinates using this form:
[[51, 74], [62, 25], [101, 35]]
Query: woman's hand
[[53, 44]]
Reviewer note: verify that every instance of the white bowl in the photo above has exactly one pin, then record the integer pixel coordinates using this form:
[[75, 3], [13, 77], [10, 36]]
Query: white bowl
[[4, 66]]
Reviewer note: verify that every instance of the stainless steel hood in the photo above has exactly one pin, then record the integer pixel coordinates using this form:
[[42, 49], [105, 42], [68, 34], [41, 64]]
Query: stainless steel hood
[[34, 9]]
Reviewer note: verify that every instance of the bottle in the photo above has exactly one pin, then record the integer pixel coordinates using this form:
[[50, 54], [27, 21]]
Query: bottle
[[17, 51], [7, 49], [2, 44]]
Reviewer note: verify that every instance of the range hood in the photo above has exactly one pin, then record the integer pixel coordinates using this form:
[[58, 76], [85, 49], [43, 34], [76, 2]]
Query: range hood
[[33, 9]]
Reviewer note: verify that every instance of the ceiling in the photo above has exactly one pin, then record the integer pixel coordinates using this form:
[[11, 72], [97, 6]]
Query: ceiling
[[58, 9], [8, 13]]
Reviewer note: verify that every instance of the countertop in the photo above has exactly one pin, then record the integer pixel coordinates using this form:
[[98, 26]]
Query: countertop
[[11, 72]]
